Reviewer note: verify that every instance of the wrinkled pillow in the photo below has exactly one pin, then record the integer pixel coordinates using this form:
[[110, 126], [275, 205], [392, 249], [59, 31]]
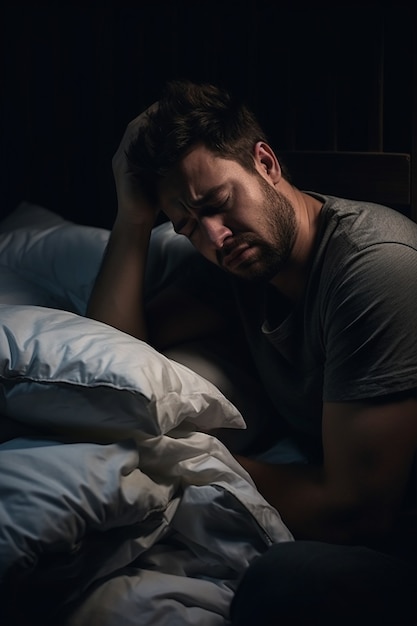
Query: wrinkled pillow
[[58, 257], [62, 258], [61, 370]]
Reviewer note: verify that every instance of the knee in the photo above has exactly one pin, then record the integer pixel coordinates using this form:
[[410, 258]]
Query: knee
[[303, 582]]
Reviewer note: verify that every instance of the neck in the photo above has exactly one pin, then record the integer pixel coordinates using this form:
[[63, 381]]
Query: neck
[[291, 280]]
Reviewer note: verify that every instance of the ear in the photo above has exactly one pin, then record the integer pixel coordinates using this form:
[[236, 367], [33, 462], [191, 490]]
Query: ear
[[266, 162]]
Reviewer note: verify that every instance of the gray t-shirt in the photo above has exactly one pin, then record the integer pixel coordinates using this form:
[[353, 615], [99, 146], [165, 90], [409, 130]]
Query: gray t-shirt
[[353, 335]]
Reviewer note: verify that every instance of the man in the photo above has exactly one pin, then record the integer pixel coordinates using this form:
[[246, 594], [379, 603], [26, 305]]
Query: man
[[327, 292]]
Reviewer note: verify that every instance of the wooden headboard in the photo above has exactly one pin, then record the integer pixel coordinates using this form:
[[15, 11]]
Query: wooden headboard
[[381, 177], [361, 141]]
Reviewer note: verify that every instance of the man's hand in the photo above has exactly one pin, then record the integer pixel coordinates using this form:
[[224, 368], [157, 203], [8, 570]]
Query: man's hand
[[135, 204]]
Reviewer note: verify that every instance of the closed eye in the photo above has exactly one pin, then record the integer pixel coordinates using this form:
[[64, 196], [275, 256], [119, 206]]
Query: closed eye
[[188, 225], [213, 209], [185, 227]]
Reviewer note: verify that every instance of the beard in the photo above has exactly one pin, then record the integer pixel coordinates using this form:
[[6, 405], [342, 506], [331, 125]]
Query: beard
[[268, 257]]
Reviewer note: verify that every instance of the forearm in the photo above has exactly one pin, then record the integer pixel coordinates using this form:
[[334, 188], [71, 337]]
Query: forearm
[[310, 506], [117, 297]]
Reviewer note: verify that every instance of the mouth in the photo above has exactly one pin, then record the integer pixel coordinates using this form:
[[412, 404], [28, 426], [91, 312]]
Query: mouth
[[236, 256]]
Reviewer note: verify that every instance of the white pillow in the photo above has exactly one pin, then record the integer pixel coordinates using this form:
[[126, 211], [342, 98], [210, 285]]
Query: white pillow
[[62, 258], [16, 290], [56, 256], [59, 369], [28, 214]]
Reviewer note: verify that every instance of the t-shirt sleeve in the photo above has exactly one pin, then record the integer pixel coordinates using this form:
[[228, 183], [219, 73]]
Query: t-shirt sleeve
[[370, 325]]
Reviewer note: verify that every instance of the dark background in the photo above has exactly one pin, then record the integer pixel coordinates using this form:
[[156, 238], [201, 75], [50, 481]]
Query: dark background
[[72, 75]]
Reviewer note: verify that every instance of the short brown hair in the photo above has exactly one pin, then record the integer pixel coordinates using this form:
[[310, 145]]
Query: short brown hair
[[190, 114]]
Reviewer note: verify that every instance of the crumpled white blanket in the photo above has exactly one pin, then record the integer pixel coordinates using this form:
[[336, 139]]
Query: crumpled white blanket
[[153, 532]]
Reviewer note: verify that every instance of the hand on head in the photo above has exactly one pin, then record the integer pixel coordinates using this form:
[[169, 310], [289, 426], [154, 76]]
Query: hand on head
[[134, 197]]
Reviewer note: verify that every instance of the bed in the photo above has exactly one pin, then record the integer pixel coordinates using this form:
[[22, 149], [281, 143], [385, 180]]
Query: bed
[[118, 503]]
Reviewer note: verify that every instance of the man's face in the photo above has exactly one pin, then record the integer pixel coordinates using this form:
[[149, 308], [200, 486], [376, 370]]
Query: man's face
[[235, 218]]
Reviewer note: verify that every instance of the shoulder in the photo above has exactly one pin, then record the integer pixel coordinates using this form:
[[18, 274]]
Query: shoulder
[[360, 242], [361, 224]]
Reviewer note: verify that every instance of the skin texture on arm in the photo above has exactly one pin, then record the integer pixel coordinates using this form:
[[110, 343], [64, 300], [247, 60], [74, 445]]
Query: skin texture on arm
[[356, 496], [117, 296], [172, 316]]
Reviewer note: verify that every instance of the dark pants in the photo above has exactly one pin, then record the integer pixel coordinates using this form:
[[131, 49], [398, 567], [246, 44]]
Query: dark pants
[[309, 583]]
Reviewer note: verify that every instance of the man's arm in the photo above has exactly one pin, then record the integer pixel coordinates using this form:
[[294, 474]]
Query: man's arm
[[117, 298], [358, 492]]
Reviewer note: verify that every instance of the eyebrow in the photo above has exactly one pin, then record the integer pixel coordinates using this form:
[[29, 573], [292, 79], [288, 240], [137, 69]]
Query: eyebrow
[[207, 198]]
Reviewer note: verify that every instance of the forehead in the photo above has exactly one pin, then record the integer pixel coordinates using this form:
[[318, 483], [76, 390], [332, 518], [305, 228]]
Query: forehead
[[199, 174]]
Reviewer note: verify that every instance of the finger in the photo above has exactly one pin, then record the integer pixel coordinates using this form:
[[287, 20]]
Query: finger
[[143, 118]]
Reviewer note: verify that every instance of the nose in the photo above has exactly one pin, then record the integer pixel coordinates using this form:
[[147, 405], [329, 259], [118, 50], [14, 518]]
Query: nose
[[215, 230]]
